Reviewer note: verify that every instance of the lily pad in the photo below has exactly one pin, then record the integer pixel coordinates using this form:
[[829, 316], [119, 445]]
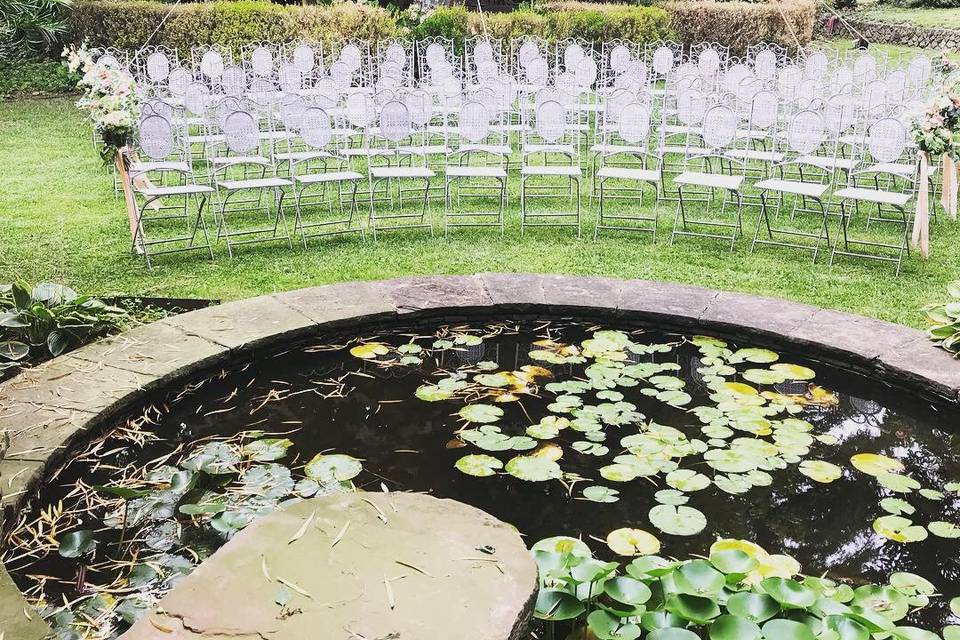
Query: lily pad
[[482, 413], [599, 493], [944, 529], [820, 471], [793, 371], [632, 542], [757, 356], [369, 350], [677, 520], [267, 449], [671, 496], [899, 529], [479, 465], [896, 506], [77, 543], [875, 464], [687, 480], [333, 467], [533, 468]]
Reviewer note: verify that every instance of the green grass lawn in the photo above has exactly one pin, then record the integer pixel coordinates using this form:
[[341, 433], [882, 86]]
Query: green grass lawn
[[919, 16], [61, 222]]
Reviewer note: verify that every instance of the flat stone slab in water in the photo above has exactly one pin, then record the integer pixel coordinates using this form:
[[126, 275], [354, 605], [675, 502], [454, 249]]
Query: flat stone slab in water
[[364, 566]]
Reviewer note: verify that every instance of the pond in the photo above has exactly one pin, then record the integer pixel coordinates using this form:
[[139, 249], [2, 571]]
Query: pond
[[560, 428]]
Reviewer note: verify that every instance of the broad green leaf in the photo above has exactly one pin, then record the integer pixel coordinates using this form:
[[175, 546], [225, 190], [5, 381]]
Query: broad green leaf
[[787, 630], [875, 464], [479, 465], [820, 471], [77, 543], [533, 468], [632, 542], [788, 592], [599, 493], [753, 606], [336, 466], [482, 413], [554, 604], [944, 529], [677, 520], [627, 590], [731, 627]]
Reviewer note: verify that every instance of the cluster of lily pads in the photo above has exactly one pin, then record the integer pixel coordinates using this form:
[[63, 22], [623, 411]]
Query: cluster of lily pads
[[738, 592], [179, 514]]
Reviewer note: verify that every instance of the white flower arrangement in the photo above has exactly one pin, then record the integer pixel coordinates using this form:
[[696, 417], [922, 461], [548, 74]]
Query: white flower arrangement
[[109, 98]]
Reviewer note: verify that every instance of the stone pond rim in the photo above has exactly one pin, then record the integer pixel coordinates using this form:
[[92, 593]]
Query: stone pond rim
[[47, 409]]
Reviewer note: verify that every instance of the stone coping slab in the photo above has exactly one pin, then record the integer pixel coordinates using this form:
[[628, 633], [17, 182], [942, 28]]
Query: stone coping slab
[[46, 409], [358, 565]]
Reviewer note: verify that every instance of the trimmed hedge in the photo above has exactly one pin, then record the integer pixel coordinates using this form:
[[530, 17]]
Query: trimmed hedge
[[36, 78], [741, 24], [127, 24]]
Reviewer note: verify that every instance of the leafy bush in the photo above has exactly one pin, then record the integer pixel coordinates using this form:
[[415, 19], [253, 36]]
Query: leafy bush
[[127, 24], [944, 320], [446, 22], [741, 24], [31, 28], [49, 320], [36, 77], [592, 22]]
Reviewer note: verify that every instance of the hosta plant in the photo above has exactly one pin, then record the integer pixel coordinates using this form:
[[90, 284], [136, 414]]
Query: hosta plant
[[49, 320], [944, 318], [737, 592]]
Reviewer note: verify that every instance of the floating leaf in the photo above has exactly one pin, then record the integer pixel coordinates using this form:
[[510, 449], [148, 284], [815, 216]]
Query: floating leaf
[[479, 465], [875, 464], [533, 468], [267, 449], [753, 606], [554, 604], [787, 630], [789, 593], [591, 448], [563, 545], [757, 356], [820, 471], [944, 529], [677, 520], [671, 496], [328, 467], [482, 413], [491, 438], [687, 480], [632, 542], [793, 371], [930, 494], [77, 543], [627, 590], [599, 493], [369, 350], [896, 506], [899, 529], [897, 482], [731, 627]]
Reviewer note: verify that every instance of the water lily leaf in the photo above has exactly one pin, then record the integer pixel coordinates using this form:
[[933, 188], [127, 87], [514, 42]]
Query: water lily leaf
[[820, 470], [478, 465], [632, 542], [499, 379], [793, 371], [787, 630], [896, 506], [899, 529], [731, 627], [757, 356], [952, 631], [789, 593], [554, 604], [201, 509], [599, 493], [214, 458], [563, 545], [619, 473], [533, 468], [77, 543], [590, 448], [696, 609], [763, 376], [337, 466], [952, 486], [753, 606], [731, 460], [672, 633], [944, 529], [886, 601], [687, 480], [267, 449], [931, 494], [733, 561], [698, 578], [897, 482], [911, 583], [846, 628], [369, 350], [627, 590], [733, 483], [955, 606], [671, 496], [914, 633], [482, 413], [677, 520], [875, 464], [674, 398], [490, 438]]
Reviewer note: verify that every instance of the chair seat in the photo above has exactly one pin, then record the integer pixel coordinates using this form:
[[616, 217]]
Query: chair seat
[[873, 195], [713, 180], [275, 135], [429, 150], [205, 139], [678, 149], [809, 189], [827, 162], [458, 171], [896, 168], [609, 149], [330, 176], [299, 156], [401, 172], [755, 154], [162, 165], [229, 161], [254, 183], [628, 173], [566, 149], [550, 170], [362, 152], [177, 190], [493, 149]]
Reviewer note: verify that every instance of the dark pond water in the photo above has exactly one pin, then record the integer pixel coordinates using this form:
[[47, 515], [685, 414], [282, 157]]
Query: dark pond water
[[323, 399]]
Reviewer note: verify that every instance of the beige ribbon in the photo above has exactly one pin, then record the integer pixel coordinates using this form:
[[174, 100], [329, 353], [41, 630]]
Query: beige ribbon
[[921, 219], [948, 197]]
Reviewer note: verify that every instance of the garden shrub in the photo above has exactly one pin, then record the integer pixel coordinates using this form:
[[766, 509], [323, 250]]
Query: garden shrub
[[452, 23], [36, 77], [593, 23], [127, 24], [741, 24]]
